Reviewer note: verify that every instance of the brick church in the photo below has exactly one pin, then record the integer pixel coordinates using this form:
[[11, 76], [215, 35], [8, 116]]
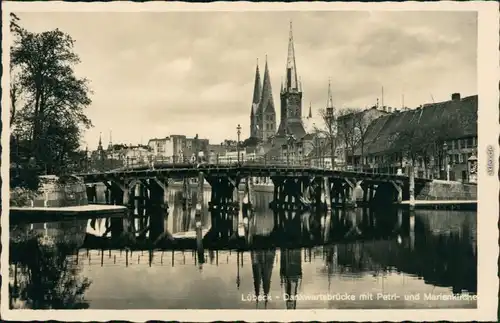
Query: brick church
[[263, 113]]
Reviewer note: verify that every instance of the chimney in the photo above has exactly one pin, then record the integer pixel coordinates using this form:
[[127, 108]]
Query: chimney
[[455, 97], [389, 109], [384, 108]]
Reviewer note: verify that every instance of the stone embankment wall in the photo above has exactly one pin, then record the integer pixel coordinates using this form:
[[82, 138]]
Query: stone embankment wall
[[444, 190]]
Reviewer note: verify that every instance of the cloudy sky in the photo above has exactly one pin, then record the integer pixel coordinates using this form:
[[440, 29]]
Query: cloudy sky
[[156, 74]]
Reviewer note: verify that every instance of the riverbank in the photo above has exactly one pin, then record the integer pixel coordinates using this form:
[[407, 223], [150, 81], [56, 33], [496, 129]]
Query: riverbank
[[442, 205]]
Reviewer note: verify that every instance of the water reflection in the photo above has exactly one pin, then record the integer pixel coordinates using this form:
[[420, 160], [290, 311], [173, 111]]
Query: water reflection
[[291, 275], [43, 274], [347, 251]]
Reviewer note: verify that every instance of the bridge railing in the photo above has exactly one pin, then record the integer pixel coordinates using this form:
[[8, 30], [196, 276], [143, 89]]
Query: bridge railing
[[151, 162]]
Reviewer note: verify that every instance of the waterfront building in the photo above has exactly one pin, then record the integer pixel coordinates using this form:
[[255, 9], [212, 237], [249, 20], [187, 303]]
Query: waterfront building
[[453, 123]]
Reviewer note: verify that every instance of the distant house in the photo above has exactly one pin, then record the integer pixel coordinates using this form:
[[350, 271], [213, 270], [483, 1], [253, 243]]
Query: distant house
[[137, 155], [162, 148], [453, 123], [185, 148]]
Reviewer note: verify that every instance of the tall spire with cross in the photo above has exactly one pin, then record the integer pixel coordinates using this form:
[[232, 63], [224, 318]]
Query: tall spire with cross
[[291, 97], [99, 145], [291, 69], [254, 113], [329, 103]]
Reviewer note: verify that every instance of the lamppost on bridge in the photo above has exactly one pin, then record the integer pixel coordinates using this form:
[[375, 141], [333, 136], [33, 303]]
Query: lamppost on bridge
[[238, 131], [330, 119]]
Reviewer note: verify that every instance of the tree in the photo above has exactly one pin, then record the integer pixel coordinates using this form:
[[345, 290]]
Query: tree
[[329, 130], [347, 133], [47, 98], [361, 122], [251, 142], [423, 141]]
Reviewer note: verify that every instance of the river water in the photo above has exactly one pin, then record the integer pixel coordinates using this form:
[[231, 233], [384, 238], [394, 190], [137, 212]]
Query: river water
[[424, 260]]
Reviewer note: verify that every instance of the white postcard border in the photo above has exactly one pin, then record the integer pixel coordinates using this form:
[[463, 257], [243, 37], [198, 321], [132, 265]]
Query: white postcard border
[[488, 189]]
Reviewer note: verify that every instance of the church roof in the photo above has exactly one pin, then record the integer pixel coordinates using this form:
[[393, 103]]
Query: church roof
[[266, 100], [256, 91], [296, 129]]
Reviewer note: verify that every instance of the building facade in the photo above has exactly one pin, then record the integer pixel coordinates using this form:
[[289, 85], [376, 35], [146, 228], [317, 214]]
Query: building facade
[[162, 148], [185, 148]]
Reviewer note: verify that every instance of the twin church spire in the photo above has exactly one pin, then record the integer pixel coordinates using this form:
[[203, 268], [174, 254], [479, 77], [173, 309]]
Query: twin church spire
[[263, 115]]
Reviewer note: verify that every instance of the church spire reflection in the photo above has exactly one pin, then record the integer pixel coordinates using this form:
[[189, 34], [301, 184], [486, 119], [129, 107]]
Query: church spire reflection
[[291, 274], [262, 268]]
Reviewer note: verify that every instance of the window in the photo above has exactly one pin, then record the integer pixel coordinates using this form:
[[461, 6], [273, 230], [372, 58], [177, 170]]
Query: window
[[453, 144], [458, 144], [470, 142], [465, 157]]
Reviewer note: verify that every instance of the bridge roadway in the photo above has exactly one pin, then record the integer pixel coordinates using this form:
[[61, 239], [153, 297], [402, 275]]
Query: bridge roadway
[[296, 187], [242, 170]]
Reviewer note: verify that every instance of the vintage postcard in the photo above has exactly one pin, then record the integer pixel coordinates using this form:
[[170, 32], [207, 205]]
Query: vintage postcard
[[284, 162]]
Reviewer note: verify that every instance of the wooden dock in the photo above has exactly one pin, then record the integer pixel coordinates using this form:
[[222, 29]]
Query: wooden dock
[[22, 214], [443, 204]]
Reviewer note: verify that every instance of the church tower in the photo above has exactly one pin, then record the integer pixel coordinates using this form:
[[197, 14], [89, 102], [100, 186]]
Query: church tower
[[291, 98], [100, 150], [254, 129], [268, 113]]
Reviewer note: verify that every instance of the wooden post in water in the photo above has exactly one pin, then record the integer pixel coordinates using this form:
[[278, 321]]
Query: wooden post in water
[[198, 218], [186, 193], [326, 188], [412, 186], [412, 231], [140, 199]]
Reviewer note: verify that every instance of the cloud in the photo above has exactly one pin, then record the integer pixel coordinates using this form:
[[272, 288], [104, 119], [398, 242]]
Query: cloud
[[183, 72]]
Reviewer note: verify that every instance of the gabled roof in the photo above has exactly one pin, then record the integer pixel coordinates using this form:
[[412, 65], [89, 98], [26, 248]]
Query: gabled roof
[[458, 118]]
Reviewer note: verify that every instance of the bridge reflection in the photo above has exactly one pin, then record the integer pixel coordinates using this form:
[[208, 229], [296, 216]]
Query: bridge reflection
[[225, 229], [439, 249]]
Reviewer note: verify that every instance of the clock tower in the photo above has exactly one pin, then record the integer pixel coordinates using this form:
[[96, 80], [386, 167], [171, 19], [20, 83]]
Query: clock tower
[[291, 98]]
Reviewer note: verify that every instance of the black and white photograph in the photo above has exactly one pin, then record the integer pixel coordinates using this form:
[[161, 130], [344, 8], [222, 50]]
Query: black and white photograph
[[213, 157]]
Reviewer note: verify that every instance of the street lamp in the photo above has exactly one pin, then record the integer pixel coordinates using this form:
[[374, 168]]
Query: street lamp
[[238, 131]]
